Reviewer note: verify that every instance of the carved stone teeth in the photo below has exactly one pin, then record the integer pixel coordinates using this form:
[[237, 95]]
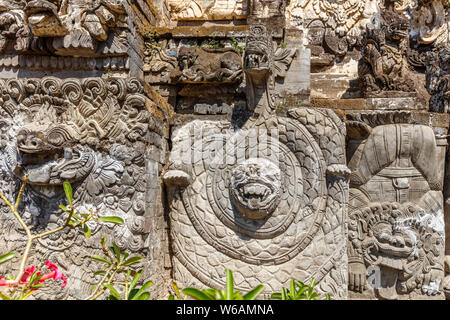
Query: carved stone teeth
[[68, 155]]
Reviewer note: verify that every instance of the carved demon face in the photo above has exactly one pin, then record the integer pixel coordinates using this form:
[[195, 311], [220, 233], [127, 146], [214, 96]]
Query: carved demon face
[[187, 57], [258, 51], [43, 18], [395, 26], [47, 157], [255, 188], [392, 246]]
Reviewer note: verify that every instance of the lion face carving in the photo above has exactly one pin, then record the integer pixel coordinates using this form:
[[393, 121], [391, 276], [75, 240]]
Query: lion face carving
[[255, 188]]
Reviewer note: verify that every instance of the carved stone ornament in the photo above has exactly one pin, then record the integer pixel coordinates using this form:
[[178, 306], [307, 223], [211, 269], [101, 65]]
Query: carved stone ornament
[[334, 25], [383, 67], [438, 79], [266, 200], [93, 133], [396, 221], [202, 65], [64, 27], [208, 9]]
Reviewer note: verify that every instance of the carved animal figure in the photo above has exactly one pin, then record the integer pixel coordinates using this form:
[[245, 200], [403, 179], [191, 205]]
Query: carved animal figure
[[207, 65], [383, 66]]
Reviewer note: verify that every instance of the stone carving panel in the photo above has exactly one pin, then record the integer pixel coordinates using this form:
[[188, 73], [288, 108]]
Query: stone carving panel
[[334, 27], [384, 69], [93, 133], [67, 28], [203, 65], [208, 9], [396, 222], [266, 199]]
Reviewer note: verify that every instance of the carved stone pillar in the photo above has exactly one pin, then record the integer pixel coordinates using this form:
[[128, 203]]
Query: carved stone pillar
[[396, 220]]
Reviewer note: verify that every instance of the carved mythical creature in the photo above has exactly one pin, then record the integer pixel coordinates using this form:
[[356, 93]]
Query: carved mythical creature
[[438, 79], [332, 25], [383, 66], [396, 226], [93, 133], [260, 199], [207, 65]]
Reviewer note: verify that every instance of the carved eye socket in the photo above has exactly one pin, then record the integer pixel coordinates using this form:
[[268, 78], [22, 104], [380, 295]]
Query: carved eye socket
[[58, 136]]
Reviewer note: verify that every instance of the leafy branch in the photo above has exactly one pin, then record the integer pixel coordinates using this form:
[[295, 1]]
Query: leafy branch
[[32, 278], [115, 263]]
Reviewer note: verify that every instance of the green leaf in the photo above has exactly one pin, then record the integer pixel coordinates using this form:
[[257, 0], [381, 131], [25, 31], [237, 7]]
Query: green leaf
[[254, 293], [64, 208], [131, 261], [283, 294], [100, 273], [177, 291], [230, 285], [6, 257], [143, 296], [276, 296], [116, 251], [135, 280], [171, 297], [132, 294], [4, 296], [111, 219], [68, 191], [211, 293], [292, 286], [113, 291], [142, 290], [87, 231], [100, 258], [195, 293]]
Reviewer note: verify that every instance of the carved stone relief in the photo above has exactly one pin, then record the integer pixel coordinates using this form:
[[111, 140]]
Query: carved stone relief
[[266, 199], [384, 69], [438, 79], [202, 65], [208, 9], [66, 28], [334, 27], [396, 222], [95, 134]]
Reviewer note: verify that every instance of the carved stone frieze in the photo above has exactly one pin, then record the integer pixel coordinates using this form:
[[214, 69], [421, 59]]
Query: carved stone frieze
[[208, 9], [334, 27], [94, 133], [67, 28], [203, 65]]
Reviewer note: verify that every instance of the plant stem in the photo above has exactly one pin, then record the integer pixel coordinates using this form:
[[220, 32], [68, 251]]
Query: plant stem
[[109, 282]]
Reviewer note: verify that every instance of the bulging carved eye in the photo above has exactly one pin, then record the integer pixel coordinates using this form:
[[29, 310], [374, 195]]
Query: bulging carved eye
[[58, 136]]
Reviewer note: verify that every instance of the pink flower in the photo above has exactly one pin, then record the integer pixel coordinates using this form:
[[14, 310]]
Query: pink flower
[[27, 273], [55, 274]]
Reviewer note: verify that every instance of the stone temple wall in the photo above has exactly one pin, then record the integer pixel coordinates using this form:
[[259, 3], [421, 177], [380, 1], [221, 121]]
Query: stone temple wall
[[279, 139]]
